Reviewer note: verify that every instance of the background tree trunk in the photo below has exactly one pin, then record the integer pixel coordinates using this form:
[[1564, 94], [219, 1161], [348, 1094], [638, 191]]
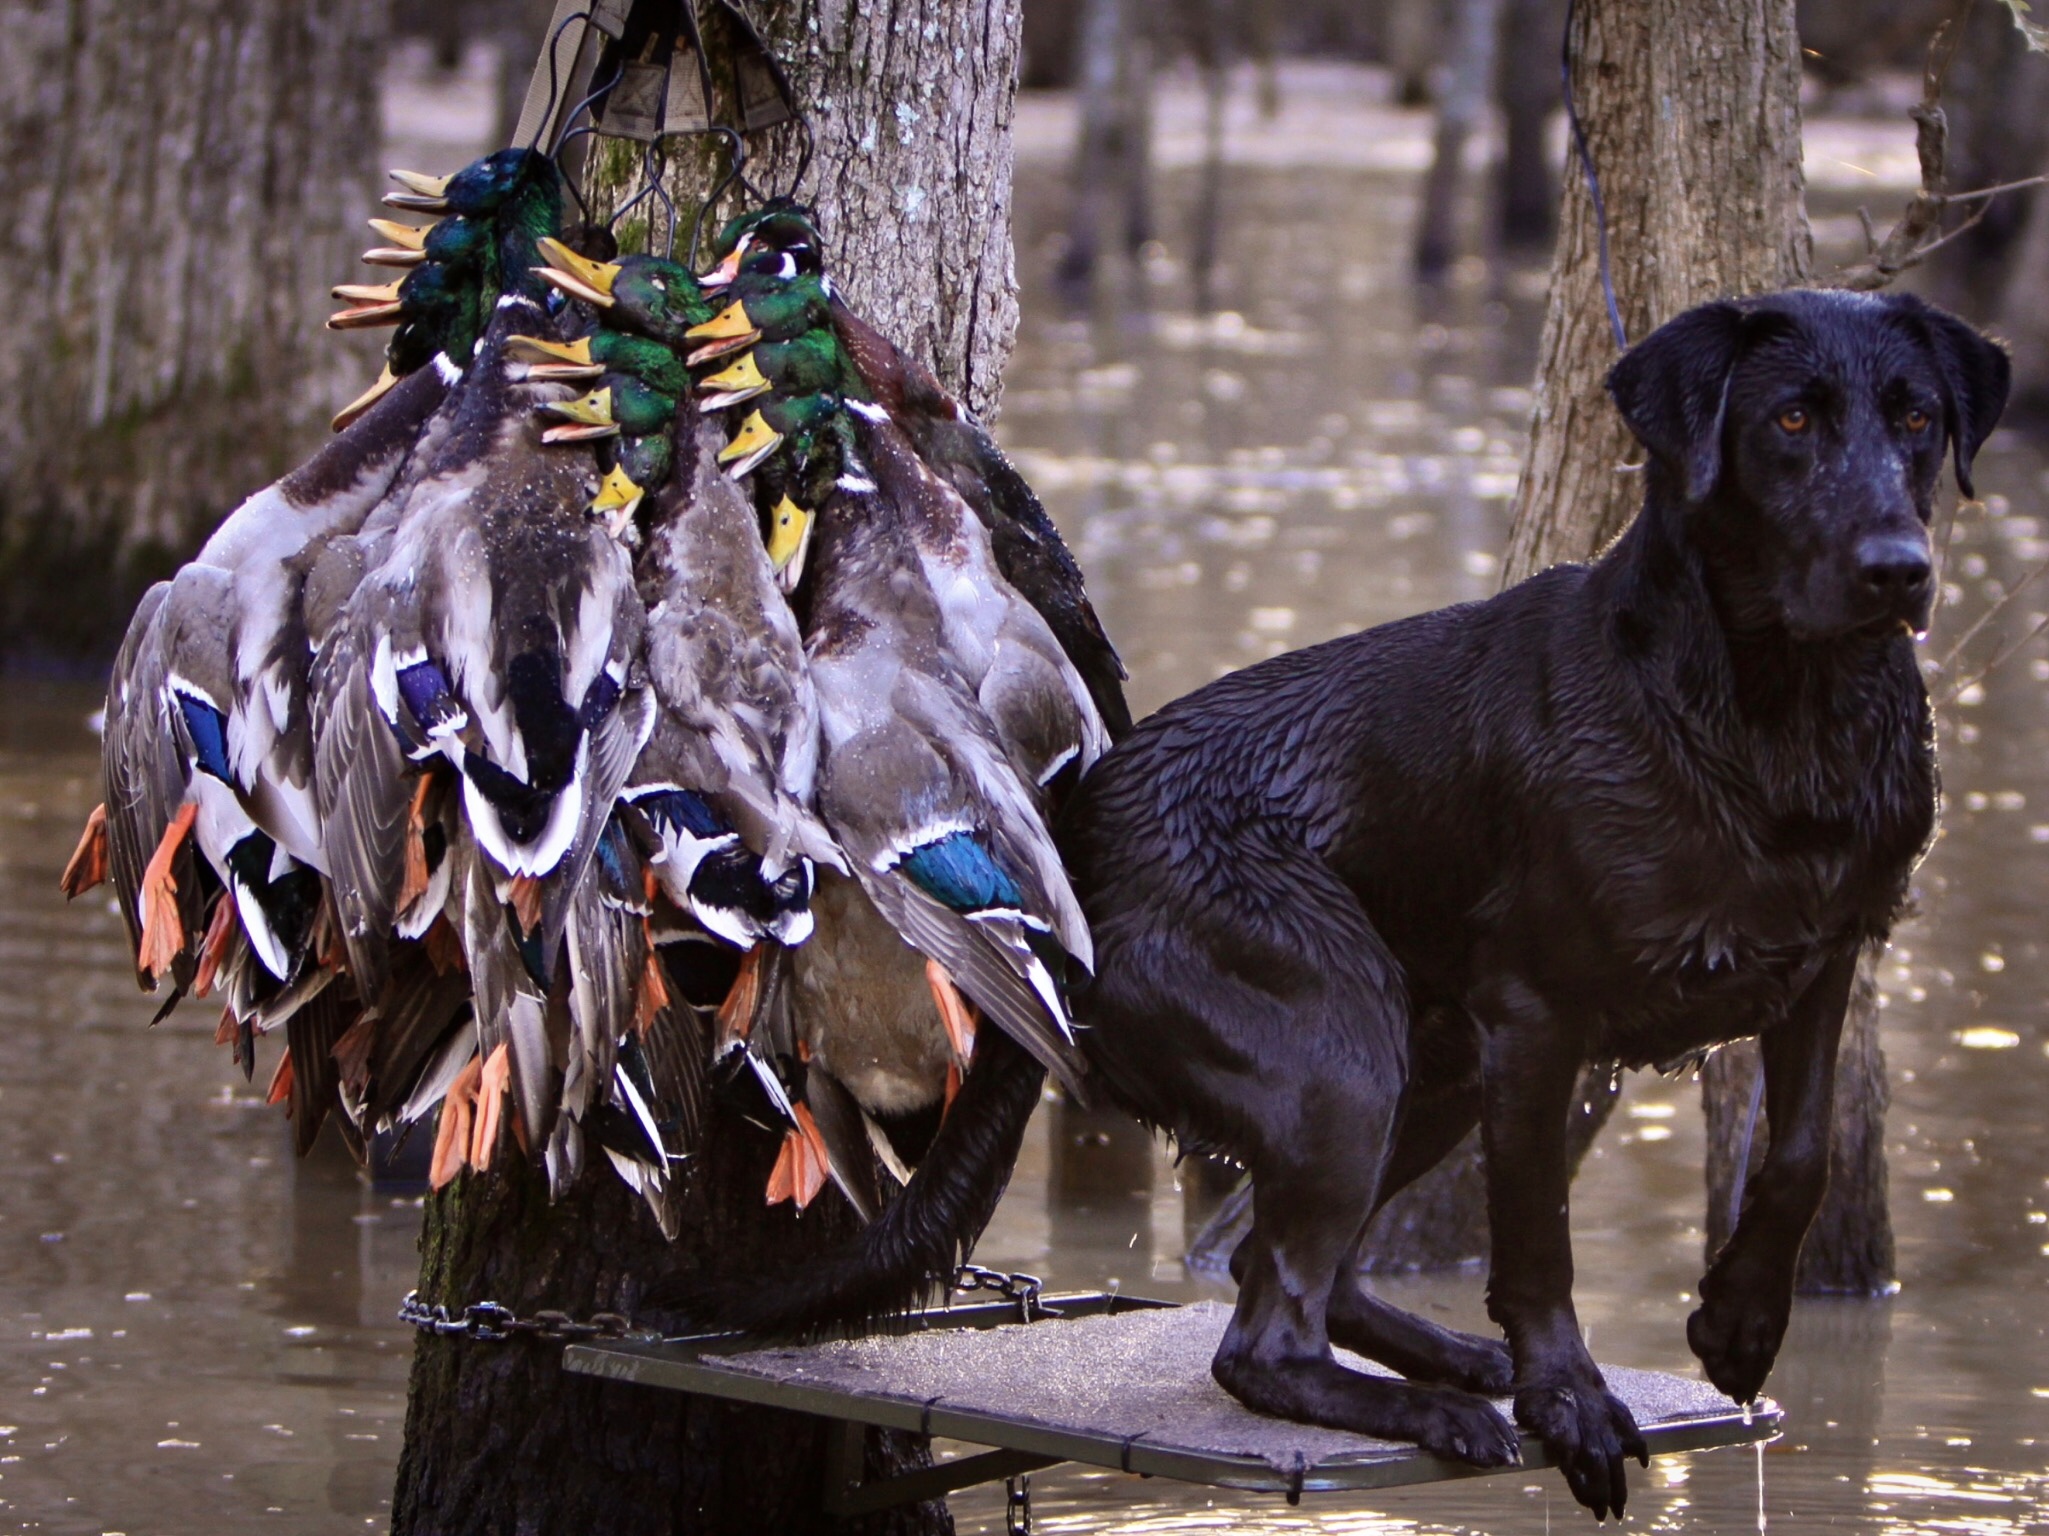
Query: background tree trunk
[[911, 103], [1692, 114], [181, 183], [1465, 87]]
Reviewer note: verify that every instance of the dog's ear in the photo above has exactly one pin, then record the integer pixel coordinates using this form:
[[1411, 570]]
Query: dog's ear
[[1673, 389], [1975, 376]]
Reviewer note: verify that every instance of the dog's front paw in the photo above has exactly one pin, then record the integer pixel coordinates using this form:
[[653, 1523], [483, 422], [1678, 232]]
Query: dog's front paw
[[1737, 1339], [1459, 1427], [1588, 1433]]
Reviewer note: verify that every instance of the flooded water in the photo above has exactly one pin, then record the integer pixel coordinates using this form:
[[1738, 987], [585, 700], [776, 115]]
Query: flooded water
[[196, 1331]]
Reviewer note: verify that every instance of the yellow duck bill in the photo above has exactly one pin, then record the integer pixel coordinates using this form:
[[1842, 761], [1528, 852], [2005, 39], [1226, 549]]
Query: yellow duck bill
[[728, 387], [789, 537], [755, 441], [366, 293], [423, 193], [577, 276], [369, 397], [617, 499], [561, 362], [727, 331], [407, 237], [588, 416], [728, 269], [365, 316]]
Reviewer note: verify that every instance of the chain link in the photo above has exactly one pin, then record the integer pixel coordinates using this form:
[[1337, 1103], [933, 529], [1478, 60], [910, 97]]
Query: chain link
[[1018, 1287], [1017, 1506], [489, 1323]]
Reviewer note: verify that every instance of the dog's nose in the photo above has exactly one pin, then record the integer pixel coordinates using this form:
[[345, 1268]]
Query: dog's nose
[[1893, 565]]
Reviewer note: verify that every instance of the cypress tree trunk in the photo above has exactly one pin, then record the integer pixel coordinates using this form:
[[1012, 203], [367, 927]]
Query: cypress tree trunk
[[1692, 114], [181, 183], [911, 104]]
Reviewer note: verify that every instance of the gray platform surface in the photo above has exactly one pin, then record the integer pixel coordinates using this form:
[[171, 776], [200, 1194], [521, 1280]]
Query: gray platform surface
[[1123, 1388]]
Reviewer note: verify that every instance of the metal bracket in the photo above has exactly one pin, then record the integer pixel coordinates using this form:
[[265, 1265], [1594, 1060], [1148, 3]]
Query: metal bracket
[[846, 1495]]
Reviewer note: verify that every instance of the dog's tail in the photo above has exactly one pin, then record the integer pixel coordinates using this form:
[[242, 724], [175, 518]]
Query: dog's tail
[[918, 1240]]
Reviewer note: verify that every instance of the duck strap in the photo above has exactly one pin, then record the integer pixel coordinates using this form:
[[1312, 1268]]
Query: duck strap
[[663, 83]]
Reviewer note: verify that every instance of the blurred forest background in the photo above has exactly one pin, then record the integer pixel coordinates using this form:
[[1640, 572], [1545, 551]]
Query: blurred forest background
[[179, 191]]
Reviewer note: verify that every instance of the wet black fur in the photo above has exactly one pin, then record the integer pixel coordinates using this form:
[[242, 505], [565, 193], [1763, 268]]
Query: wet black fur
[[1348, 902], [920, 1237]]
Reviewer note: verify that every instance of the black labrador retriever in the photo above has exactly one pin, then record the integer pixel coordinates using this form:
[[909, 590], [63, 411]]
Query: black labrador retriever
[[1351, 900]]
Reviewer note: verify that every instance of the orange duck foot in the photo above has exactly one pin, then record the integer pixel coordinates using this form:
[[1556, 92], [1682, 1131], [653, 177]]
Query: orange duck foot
[[88, 863], [163, 933], [955, 1012], [414, 886], [735, 1019], [491, 1085], [213, 949], [452, 1139]]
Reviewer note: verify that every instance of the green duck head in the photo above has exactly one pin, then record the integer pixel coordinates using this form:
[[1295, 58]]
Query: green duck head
[[478, 190], [778, 225], [643, 294], [497, 209], [603, 351], [620, 405], [639, 465], [762, 308], [802, 422], [803, 365]]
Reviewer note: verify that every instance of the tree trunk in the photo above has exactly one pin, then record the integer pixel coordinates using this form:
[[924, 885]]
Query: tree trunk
[[911, 105], [182, 182], [1464, 90], [1526, 200], [1114, 48], [2024, 320], [1692, 115], [1996, 97]]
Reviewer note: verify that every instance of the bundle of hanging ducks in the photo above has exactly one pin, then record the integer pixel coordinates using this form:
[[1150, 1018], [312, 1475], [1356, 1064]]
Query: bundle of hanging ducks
[[658, 680]]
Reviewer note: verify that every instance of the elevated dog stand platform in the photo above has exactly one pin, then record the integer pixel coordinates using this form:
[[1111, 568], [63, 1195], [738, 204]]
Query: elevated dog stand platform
[[1109, 1381]]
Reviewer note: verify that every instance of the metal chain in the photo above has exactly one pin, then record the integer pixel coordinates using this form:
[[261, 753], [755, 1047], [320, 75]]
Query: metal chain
[[489, 1323], [1017, 1506], [1018, 1287]]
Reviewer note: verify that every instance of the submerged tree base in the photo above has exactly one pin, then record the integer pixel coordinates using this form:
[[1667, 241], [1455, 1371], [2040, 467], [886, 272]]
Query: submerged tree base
[[501, 1439]]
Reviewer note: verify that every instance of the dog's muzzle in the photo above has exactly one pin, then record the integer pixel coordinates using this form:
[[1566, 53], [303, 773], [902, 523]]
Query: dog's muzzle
[[1896, 576]]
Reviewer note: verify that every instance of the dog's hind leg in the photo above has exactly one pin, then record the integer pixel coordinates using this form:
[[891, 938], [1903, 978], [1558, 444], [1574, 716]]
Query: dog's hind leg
[[1432, 1126], [1322, 1037], [1275, 1356]]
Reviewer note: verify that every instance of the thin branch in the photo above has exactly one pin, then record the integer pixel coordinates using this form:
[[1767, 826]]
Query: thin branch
[[2005, 186], [1993, 665], [1917, 234], [1988, 616]]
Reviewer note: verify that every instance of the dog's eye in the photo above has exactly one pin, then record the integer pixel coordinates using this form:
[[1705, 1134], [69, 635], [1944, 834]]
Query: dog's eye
[[1793, 421], [1916, 420]]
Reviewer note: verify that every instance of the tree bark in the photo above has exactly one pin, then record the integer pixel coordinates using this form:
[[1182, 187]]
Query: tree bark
[[911, 104], [181, 183], [1692, 115]]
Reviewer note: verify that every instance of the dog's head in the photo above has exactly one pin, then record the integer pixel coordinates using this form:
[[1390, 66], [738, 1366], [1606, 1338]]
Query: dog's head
[[1799, 436]]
